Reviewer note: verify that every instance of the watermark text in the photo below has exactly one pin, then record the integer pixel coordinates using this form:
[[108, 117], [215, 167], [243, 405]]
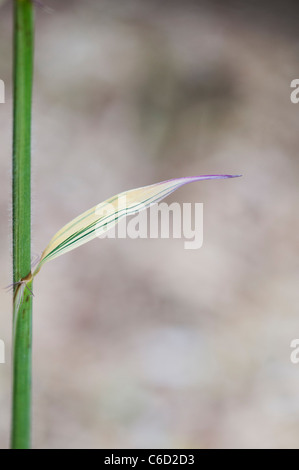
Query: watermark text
[[294, 357], [2, 352], [2, 92], [295, 93], [159, 221]]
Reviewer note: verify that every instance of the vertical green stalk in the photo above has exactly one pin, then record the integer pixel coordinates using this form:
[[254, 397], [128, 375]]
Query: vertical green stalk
[[22, 320]]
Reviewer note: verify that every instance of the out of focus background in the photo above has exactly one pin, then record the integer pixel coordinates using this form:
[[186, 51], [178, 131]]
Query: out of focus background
[[141, 343]]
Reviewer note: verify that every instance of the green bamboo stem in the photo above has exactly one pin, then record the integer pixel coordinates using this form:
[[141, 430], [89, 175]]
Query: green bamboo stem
[[22, 321]]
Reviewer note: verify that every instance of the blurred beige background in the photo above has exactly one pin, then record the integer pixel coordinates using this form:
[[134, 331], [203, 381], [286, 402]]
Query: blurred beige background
[[140, 343]]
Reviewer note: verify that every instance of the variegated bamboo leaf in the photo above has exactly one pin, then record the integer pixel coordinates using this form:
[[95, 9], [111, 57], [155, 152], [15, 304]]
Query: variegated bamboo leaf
[[105, 215]]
